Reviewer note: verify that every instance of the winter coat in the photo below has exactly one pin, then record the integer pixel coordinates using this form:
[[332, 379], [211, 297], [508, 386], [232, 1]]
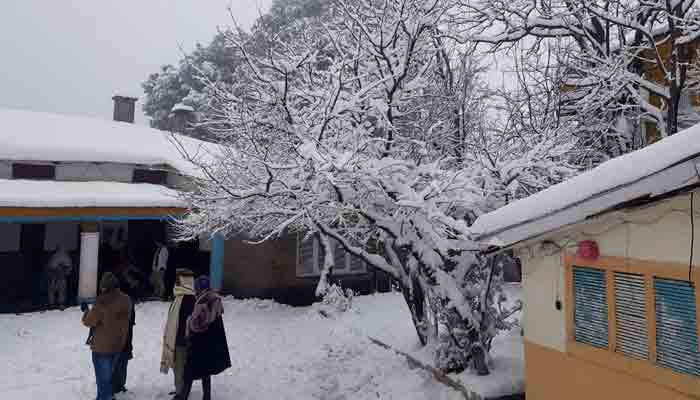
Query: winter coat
[[109, 319], [59, 266], [129, 346], [208, 350], [185, 311], [177, 321], [160, 259]]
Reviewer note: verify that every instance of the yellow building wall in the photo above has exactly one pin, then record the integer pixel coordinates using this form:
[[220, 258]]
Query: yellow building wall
[[659, 233], [554, 375], [654, 73]]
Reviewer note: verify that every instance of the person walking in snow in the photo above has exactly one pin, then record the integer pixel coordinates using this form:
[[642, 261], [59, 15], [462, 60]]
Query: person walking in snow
[[159, 265], [122, 362], [207, 353], [58, 269], [109, 323], [174, 353]]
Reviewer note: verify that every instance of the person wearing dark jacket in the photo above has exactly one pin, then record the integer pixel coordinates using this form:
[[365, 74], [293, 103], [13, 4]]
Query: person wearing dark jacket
[[109, 323], [207, 353], [122, 361], [174, 341]]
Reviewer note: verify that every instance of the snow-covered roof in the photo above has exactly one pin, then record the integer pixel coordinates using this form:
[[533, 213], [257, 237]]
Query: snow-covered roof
[[55, 194], [657, 169], [38, 136]]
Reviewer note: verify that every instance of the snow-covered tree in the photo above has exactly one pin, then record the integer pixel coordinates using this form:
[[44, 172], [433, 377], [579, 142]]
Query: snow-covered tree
[[369, 128], [187, 82], [628, 63], [184, 83]]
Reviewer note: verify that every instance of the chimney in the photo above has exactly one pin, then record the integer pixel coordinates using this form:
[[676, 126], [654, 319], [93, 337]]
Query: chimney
[[180, 118], [124, 108]]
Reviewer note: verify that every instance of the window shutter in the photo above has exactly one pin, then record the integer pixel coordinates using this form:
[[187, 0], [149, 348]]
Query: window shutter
[[676, 326], [590, 307], [305, 259], [339, 258], [320, 255], [630, 315], [357, 265]]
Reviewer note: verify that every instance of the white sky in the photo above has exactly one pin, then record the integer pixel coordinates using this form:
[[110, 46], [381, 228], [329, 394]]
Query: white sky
[[71, 56]]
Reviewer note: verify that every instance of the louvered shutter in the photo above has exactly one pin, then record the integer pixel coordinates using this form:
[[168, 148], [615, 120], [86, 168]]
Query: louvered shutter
[[590, 307], [305, 262], [632, 332], [676, 326]]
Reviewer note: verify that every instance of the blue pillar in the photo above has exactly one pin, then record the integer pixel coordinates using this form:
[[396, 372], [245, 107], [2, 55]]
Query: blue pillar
[[216, 262]]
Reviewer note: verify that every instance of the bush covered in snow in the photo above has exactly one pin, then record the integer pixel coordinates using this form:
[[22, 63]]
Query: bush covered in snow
[[335, 301]]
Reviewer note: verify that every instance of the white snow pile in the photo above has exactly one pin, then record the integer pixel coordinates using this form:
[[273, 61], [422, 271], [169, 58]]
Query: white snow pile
[[38, 136], [335, 302], [278, 352], [607, 176], [34, 193]]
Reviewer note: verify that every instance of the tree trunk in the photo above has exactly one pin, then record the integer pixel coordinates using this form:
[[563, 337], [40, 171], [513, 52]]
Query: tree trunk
[[424, 319]]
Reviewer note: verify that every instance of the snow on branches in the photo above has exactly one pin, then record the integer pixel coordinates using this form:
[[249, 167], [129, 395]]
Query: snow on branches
[[368, 127], [626, 62]]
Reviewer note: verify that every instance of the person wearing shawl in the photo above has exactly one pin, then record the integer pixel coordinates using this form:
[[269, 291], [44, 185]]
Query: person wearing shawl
[[208, 352], [174, 341]]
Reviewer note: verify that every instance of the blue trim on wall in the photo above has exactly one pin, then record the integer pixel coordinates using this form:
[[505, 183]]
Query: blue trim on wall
[[216, 262], [79, 218], [88, 300]]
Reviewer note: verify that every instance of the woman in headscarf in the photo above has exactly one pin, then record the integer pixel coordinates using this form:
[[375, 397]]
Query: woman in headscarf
[[174, 339], [207, 353]]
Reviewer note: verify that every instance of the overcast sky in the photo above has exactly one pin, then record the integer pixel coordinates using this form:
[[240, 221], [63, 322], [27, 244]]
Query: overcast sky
[[71, 56]]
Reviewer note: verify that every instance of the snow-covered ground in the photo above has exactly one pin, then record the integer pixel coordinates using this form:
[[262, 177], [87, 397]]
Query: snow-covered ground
[[278, 352]]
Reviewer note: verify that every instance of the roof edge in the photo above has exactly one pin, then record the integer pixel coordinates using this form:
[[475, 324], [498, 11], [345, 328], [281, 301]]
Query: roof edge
[[678, 176]]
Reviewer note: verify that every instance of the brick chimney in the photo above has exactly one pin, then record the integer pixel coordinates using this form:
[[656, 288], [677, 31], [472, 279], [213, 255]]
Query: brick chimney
[[180, 118], [124, 108]]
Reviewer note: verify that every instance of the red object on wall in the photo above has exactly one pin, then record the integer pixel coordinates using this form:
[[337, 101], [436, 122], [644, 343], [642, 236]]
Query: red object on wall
[[588, 249]]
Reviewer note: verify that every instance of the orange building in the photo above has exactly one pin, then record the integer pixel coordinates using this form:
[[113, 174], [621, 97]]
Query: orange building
[[611, 276]]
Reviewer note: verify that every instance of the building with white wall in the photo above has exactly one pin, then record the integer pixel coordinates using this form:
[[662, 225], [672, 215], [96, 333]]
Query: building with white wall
[[80, 183], [611, 276]]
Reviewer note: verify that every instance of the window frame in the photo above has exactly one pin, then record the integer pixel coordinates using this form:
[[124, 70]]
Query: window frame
[[149, 175], [644, 369], [33, 171], [317, 263]]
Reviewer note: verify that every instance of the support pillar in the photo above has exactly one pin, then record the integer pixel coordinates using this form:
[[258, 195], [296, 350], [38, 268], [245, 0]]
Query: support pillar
[[216, 262], [89, 252]]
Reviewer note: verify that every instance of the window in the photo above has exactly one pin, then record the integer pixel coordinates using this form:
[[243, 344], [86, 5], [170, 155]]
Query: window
[[306, 250], [631, 322], [150, 176], [9, 237], [590, 307], [676, 326], [311, 255], [654, 316], [685, 102], [33, 171], [340, 258]]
